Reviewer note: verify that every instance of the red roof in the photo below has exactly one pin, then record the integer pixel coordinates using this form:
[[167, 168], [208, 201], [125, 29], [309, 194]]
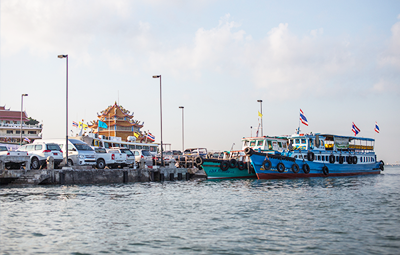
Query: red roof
[[12, 115]]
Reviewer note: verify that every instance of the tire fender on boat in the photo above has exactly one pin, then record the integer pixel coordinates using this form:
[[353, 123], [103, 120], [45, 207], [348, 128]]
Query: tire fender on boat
[[381, 165], [306, 168], [232, 163], [224, 165], [341, 159], [355, 159], [349, 159], [280, 167], [198, 160], [331, 159], [248, 151], [267, 164], [295, 168], [241, 165], [310, 156], [325, 170]]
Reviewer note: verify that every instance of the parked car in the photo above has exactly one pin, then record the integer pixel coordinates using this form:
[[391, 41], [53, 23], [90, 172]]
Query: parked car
[[109, 159], [143, 154], [130, 157], [40, 151], [79, 153], [13, 159], [168, 156]]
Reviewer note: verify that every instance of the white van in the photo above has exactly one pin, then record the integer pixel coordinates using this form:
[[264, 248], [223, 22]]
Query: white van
[[79, 153]]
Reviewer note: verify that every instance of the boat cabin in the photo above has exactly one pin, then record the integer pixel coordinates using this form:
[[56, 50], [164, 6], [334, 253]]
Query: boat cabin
[[265, 143], [327, 142]]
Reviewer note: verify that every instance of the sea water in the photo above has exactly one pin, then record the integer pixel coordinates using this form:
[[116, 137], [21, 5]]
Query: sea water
[[332, 215]]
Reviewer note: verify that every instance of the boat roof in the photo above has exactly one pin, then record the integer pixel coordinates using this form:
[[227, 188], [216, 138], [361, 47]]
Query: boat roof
[[264, 137]]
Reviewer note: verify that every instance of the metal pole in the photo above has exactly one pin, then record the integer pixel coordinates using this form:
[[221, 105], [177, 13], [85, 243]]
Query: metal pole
[[262, 127], [162, 155], [22, 106], [66, 110], [183, 136]]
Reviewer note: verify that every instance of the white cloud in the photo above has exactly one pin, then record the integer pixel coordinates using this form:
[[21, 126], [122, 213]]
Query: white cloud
[[391, 57]]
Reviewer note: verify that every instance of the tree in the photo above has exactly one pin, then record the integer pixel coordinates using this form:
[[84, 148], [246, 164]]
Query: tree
[[31, 121]]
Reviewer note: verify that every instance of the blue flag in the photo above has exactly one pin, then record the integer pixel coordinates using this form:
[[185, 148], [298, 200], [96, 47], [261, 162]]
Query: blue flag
[[102, 124]]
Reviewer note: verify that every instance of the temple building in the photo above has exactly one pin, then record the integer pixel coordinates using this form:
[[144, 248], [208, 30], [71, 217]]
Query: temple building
[[10, 127], [115, 121]]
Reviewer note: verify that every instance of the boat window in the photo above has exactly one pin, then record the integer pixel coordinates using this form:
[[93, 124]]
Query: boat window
[[246, 143], [319, 157], [269, 145], [260, 143], [280, 144], [252, 143], [297, 141], [295, 156], [323, 158], [361, 159], [322, 143], [373, 160], [303, 141], [337, 158]]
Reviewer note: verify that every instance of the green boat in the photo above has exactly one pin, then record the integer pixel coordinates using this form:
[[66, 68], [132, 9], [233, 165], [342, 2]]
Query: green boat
[[227, 169], [235, 164]]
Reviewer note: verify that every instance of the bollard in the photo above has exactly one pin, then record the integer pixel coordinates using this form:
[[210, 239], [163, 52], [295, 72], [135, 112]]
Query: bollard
[[62, 178], [125, 177], [187, 176], [50, 162], [152, 176], [171, 176], [162, 177], [179, 176], [2, 165]]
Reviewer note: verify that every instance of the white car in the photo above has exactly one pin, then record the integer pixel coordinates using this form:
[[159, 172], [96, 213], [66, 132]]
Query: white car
[[143, 154], [40, 151]]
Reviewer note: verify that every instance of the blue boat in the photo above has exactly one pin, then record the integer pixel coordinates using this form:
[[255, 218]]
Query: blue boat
[[318, 155]]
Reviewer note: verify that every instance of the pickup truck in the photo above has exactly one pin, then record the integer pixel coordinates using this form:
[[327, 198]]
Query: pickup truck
[[13, 159], [109, 159]]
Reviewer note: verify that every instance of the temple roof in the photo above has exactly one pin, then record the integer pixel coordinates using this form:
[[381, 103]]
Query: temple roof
[[7, 114]]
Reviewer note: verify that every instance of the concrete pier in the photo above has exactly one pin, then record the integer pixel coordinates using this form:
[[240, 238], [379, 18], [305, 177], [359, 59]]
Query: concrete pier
[[89, 175]]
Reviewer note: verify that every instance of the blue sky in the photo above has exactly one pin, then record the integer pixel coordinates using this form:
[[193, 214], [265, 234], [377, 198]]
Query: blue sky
[[339, 61]]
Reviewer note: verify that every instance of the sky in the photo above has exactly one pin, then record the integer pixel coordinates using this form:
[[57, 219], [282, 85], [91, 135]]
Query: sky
[[338, 61]]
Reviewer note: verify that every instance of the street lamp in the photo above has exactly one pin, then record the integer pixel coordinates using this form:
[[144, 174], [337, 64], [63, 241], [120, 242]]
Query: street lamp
[[22, 106], [183, 137], [66, 114], [162, 157], [262, 128]]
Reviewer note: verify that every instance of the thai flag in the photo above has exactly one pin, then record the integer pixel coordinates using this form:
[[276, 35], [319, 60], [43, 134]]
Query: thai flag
[[355, 129], [376, 127], [74, 124], [151, 137], [27, 139], [303, 118]]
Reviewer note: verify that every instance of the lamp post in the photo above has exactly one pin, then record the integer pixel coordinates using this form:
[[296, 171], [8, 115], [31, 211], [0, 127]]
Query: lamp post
[[262, 128], [183, 137], [162, 157], [66, 113], [22, 106]]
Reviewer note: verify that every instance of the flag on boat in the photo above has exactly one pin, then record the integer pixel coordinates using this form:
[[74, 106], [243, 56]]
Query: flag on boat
[[74, 124], [83, 125], [102, 124], [151, 137], [376, 127], [355, 129], [27, 139], [259, 114], [136, 134], [303, 118]]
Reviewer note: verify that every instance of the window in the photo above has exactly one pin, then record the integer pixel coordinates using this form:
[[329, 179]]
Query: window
[[30, 132], [297, 141], [38, 147], [19, 132], [323, 158], [260, 143], [30, 147], [319, 157], [10, 132], [269, 145], [303, 141], [252, 143]]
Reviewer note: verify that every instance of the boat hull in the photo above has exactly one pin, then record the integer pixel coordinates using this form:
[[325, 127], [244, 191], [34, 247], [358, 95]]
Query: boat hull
[[214, 171], [317, 169]]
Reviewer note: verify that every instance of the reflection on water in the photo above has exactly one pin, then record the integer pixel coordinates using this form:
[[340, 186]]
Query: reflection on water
[[349, 215]]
